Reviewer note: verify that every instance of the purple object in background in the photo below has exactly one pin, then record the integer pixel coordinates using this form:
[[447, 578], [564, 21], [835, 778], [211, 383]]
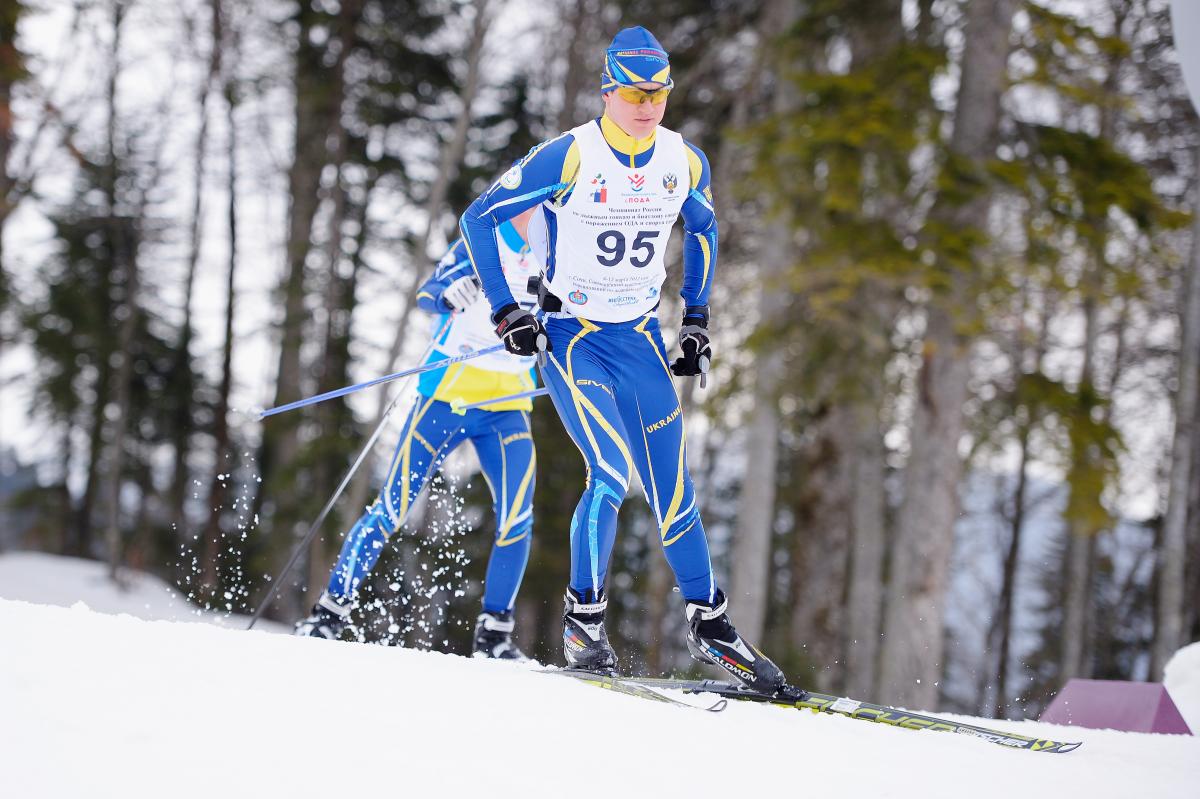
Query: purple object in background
[[1116, 705]]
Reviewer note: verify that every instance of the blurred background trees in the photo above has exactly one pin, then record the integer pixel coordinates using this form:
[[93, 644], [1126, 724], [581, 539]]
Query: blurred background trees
[[949, 452]]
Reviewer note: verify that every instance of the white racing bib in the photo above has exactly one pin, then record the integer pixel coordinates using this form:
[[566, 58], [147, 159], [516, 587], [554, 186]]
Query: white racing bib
[[473, 329], [613, 230]]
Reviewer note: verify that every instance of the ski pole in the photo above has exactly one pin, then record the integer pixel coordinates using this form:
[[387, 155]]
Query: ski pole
[[316, 525], [341, 392], [457, 406]]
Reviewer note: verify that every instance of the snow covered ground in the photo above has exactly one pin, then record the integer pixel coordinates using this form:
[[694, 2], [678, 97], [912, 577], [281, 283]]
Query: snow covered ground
[[56, 580], [98, 705]]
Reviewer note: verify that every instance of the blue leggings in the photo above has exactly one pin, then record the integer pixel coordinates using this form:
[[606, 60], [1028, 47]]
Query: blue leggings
[[432, 431], [613, 391]]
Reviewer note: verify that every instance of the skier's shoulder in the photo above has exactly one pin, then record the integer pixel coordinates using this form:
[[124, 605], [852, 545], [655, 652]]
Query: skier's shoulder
[[456, 253], [455, 260], [543, 164], [698, 167]]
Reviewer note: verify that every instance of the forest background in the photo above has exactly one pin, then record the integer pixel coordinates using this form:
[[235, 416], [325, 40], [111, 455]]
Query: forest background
[[949, 454]]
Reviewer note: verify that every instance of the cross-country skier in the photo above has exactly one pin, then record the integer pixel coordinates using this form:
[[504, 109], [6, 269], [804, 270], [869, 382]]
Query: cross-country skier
[[608, 194], [499, 433]]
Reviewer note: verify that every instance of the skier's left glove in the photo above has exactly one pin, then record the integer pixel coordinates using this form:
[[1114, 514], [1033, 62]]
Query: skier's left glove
[[459, 295], [694, 342], [521, 331]]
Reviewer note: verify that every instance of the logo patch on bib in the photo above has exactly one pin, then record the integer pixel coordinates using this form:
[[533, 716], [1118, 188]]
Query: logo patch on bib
[[599, 190], [577, 297]]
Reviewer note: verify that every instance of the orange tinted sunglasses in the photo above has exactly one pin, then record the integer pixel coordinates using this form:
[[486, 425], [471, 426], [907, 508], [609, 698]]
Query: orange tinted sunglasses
[[632, 94]]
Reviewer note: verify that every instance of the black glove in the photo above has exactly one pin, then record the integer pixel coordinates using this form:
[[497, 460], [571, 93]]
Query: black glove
[[520, 331], [693, 340]]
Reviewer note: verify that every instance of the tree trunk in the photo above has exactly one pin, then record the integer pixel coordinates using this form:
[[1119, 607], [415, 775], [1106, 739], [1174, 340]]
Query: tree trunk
[[1009, 574], [183, 425], [579, 67], [868, 546], [449, 161], [1192, 607], [81, 540], [124, 253], [1169, 633], [1080, 553], [912, 656], [319, 93], [877, 34], [222, 464], [820, 545], [11, 71], [750, 556], [1002, 626]]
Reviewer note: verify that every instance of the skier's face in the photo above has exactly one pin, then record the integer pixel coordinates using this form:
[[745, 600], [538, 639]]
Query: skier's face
[[638, 119]]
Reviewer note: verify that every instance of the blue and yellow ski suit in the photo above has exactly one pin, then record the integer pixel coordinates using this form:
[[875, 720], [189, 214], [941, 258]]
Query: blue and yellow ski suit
[[609, 380], [499, 432]]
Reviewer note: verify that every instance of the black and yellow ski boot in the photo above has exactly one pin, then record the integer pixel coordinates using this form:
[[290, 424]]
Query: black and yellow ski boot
[[585, 644], [712, 639]]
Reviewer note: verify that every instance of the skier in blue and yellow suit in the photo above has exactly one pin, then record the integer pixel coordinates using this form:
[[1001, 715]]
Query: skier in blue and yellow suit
[[608, 193], [499, 432]]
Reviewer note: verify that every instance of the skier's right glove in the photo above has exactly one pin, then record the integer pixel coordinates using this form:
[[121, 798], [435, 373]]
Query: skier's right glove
[[520, 331], [461, 293], [693, 341]]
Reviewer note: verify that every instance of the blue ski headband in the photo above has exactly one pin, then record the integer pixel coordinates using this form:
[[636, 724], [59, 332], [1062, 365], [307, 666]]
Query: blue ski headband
[[635, 56]]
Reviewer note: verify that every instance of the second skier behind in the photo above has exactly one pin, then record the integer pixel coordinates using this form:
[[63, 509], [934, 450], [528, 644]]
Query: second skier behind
[[498, 431]]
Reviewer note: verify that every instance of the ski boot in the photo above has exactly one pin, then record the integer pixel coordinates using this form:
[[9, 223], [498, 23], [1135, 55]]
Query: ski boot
[[327, 620], [712, 639], [585, 644], [493, 637]]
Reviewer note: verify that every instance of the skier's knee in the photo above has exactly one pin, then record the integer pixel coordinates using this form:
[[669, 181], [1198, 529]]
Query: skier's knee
[[380, 517]]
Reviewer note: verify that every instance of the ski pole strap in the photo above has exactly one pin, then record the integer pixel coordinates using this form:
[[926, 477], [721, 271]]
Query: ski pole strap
[[341, 392], [458, 407]]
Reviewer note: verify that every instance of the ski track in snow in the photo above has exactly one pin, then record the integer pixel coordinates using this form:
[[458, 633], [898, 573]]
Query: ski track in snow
[[98, 705]]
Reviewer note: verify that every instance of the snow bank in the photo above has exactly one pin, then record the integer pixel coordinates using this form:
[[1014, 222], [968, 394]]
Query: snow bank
[[1182, 678], [57, 580], [97, 705]]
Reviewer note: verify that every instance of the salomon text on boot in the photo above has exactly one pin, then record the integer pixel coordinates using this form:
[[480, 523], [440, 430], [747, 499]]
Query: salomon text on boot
[[327, 620], [585, 644], [493, 637], [712, 639]]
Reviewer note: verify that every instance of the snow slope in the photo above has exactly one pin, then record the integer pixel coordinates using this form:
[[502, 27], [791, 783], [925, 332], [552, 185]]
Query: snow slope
[[96, 705], [58, 580]]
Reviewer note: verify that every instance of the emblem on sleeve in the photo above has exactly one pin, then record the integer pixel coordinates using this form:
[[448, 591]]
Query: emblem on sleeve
[[512, 178]]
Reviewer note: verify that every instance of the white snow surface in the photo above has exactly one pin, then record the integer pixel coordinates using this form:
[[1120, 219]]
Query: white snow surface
[[57, 580], [98, 705], [1182, 678]]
